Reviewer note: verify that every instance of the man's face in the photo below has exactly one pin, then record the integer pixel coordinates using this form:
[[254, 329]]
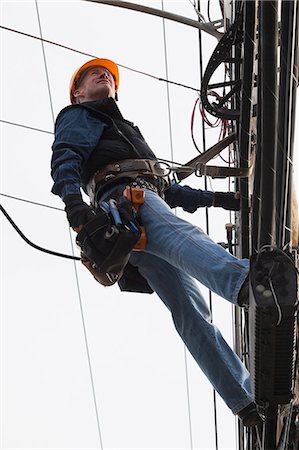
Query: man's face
[[97, 84]]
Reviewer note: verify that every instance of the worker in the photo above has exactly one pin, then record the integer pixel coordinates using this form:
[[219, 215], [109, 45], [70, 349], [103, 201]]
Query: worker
[[97, 150]]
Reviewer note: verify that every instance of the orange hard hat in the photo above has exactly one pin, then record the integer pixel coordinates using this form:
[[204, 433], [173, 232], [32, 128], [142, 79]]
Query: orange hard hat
[[107, 63]]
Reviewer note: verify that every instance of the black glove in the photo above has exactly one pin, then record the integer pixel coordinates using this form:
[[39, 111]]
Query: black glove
[[77, 211], [188, 198], [227, 200]]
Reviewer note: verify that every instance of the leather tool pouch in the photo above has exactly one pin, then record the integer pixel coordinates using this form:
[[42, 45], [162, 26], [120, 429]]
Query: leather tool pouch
[[106, 247]]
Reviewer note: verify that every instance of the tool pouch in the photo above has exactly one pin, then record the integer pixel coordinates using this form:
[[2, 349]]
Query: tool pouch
[[106, 247]]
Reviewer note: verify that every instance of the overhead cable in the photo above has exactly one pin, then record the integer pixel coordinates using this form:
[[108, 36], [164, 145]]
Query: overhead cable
[[75, 267], [200, 49], [94, 56], [200, 16], [45, 62], [31, 202], [26, 126], [172, 157]]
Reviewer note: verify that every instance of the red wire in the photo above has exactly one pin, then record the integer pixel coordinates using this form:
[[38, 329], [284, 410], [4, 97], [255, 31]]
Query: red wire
[[224, 123]]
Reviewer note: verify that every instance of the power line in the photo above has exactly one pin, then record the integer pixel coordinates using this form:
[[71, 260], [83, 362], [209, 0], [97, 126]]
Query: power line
[[30, 201], [200, 49], [45, 62], [200, 16], [26, 126], [172, 157], [75, 267], [94, 56]]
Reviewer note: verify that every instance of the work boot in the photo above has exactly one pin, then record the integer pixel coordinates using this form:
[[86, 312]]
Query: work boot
[[243, 297], [250, 416]]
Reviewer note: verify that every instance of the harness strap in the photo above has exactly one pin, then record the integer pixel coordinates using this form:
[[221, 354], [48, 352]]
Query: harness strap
[[127, 168]]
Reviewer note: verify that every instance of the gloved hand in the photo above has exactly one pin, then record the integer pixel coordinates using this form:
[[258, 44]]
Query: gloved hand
[[227, 200], [188, 198], [77, 211]]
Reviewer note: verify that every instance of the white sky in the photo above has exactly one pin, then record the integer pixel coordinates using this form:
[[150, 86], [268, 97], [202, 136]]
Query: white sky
[[137, 359]]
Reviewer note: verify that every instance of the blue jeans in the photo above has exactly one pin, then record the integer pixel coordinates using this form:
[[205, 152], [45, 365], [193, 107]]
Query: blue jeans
[[177, 252]]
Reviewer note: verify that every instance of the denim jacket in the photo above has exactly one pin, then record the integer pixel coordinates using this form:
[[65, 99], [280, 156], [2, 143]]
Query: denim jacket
[[77, 133]]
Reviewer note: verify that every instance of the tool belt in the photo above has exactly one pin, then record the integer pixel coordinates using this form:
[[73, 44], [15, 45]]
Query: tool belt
[[128, 168], [106, 241]]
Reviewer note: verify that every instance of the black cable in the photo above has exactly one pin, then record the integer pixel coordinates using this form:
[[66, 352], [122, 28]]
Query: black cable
[[37, 247], [209, 10]]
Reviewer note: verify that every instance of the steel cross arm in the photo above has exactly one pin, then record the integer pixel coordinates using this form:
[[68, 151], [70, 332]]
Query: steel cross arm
[[184, 171], [210, 28], [221, 172]]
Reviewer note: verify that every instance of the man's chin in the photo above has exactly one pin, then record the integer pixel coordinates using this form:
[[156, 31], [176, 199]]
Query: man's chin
[[104, 92]]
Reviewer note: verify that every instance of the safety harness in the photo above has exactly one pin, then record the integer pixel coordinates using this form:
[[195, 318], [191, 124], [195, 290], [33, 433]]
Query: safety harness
[[145, 173], [116, 191]]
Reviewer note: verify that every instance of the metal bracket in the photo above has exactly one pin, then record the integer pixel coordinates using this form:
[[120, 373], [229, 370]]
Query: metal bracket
[[198, 165], [220, 172]]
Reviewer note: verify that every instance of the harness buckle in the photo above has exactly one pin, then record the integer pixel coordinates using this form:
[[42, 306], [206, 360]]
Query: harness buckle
[[136, 197]]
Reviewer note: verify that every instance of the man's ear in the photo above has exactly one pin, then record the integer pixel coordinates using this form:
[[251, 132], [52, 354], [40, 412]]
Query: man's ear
[[77, 93]]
